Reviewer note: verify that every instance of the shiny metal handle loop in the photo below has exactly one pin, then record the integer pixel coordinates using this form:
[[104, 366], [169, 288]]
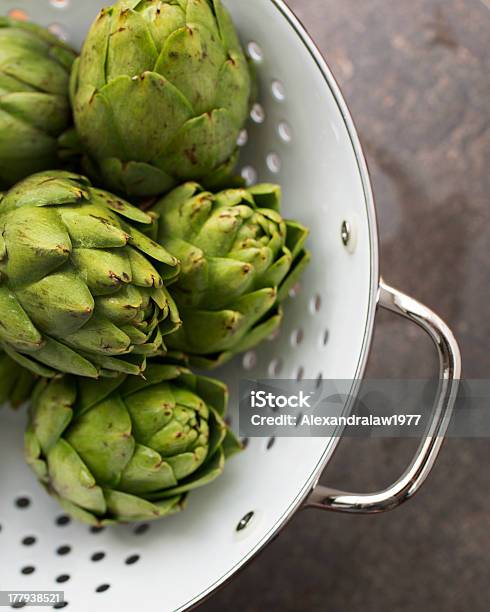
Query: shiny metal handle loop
[[403, 489]]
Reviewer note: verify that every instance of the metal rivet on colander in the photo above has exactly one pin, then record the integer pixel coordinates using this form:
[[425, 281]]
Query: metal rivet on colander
[[345, 233], [245, 521]]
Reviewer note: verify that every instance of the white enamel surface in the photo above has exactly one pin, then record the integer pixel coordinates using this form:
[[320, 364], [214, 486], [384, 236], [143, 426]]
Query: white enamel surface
[[302, 137]]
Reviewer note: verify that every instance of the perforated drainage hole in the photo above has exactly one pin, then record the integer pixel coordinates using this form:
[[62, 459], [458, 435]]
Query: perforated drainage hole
[[255, 52], [245, 442], [275, 334], [102, 588], [278, 90], [98, 556], [319, 380], [326, 336], [28, 570], [270, 443], [63, 520], [345, 233], [96, 530], [63, 550], [59, 31], [316, 304], [17, 605], [62, 578], [59, 605], [29, 541], [22, 502], [257, 113], [141, 529], [275, 367], [300, 372], [274, 162], [299, 419], [132, 560], [18, 14], [295, 290], [244, 521], [249, 174], [242, 138], [285, 132], [297, 337], [249, 360]]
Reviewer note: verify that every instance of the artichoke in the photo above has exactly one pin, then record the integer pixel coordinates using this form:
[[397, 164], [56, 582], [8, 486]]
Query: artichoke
[[34, 99], [239, 258], [128, 449], [160, 93], [79, 293], [16, 383]]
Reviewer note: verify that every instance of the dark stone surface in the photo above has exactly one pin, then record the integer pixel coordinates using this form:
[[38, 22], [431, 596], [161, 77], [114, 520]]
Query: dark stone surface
[[416, 75]]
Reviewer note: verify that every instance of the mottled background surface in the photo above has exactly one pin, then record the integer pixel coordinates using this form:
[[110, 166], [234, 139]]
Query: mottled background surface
[[416, 75]]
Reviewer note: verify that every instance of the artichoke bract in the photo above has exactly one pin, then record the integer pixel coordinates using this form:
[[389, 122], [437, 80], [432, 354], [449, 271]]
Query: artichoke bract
[[34, 99], [239, 258], [160, 93], [16, 384], [127, 449], [79, 291]]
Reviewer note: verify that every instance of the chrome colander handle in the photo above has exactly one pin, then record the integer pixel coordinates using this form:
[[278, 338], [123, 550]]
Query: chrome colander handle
[[405, 487]]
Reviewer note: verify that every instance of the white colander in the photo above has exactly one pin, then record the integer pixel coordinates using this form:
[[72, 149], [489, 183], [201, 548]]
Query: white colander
[[302, 136]]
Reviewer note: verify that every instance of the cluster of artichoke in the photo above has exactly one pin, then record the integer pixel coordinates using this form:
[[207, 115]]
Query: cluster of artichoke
[[104, 305]]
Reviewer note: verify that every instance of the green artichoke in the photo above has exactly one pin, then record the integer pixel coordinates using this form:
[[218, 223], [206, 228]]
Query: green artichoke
[[78, 291], [34, 99], [128, 449], [239, 259], [16, 383], [160, 93]]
